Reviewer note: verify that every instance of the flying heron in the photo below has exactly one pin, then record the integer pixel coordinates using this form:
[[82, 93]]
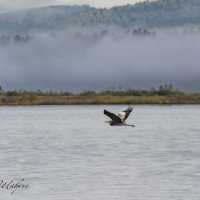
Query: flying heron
[[120, 119]]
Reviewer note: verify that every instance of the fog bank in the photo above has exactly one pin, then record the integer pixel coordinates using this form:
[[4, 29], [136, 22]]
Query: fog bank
[[74, 63]]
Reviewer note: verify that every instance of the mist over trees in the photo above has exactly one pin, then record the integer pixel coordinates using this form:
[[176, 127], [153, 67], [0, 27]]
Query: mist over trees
[[77, 48], [95, 61], [156, 14]]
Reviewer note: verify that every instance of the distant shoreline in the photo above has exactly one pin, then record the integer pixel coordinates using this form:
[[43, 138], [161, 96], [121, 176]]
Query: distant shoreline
[[97, 100], [163, 95]]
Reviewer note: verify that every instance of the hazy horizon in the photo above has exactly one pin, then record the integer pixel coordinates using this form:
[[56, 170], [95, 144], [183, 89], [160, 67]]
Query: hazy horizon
[[75, 64]]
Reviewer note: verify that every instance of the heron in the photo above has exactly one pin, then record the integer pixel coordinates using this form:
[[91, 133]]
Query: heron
[[120, 119]]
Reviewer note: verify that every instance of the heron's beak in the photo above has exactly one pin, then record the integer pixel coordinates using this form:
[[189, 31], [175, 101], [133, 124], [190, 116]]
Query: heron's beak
[[107, 121]]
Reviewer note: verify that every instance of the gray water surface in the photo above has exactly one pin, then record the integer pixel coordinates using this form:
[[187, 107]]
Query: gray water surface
[[69, 153]]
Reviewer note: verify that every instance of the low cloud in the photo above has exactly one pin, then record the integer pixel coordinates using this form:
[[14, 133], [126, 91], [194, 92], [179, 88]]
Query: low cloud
[[67, 63]]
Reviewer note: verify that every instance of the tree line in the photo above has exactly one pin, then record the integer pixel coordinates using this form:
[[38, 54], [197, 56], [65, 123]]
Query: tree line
[[162, 90], [147, 14], [15, 39]]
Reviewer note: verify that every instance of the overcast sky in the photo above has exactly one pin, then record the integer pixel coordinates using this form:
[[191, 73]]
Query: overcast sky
[[6, 5]]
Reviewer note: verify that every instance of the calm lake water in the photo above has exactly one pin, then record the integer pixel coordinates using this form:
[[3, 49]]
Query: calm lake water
[[69, 153]]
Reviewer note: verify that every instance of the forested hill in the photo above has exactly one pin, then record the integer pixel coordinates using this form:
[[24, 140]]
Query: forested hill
[[149, 14]]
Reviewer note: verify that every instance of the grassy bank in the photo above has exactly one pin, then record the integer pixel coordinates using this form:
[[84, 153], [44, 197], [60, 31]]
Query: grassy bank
[[109, 97]]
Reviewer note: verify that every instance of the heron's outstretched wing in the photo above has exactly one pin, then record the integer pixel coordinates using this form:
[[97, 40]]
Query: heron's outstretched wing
[[127, 112], [112, 116]]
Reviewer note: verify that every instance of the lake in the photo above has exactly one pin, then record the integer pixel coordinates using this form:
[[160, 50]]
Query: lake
[[70, 153]]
